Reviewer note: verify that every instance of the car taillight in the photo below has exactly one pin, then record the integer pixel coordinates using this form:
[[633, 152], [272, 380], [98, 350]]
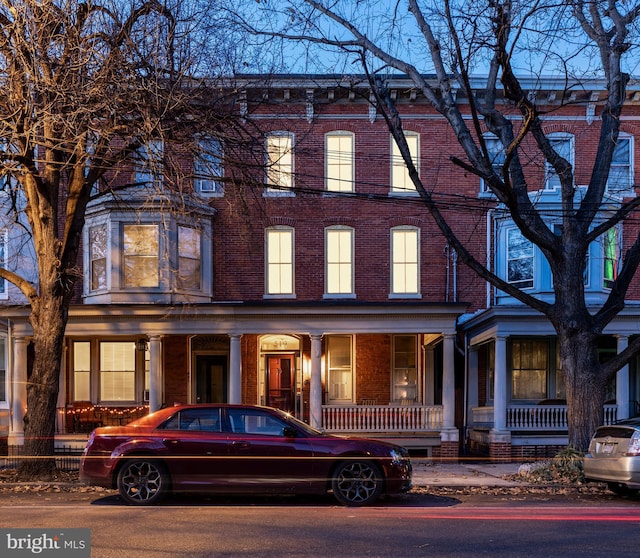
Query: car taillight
[[634, 444]]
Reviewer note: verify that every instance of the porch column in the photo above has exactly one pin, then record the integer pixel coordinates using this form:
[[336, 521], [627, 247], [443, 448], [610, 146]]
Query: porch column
[[235, 372], [450, 436], [315, 383], [448, 383], [156, 373], [18, 387], [500, 437], [500, 386], [622, 382]]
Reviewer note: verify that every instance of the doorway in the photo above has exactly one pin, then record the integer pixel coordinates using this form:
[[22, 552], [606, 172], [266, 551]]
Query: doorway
[[211, 379], [281, 382]]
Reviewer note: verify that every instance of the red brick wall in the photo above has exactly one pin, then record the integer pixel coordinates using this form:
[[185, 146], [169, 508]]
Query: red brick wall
[[176, 373], [373, 368]]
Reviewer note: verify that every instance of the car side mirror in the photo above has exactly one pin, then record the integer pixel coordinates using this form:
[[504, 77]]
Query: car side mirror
[[289, 432]]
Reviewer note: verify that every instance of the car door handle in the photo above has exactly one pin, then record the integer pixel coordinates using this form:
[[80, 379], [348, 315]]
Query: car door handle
[[242, 444], [171, 442]]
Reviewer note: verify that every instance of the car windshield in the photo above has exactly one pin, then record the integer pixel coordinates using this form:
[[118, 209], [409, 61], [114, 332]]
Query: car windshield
[[302, 425]]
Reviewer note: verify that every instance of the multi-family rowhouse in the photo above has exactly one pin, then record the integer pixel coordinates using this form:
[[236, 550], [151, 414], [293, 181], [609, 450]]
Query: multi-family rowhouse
[[301, 270]]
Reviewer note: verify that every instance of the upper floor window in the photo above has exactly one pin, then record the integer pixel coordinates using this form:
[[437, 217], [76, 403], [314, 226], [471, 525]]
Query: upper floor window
[[339, 161], [400, 180], [188, 257], [497, 156], [279, 261], [611, 257], [164, 259], [140, 255], [149, 163], [519, 259], [98, 245], [207, 166], [279, 162], [563, 145], [405, 272], [339, 261], [621, 170]]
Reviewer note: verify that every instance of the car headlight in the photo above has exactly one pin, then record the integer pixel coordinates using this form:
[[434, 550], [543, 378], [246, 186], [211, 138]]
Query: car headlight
[[398, 456]]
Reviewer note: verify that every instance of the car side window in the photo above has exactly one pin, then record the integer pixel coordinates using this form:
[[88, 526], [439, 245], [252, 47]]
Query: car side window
[[200, 420], [251, 421]]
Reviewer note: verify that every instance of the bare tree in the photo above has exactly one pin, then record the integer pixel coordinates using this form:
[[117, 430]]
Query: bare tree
[[83, 85], [457, 41]]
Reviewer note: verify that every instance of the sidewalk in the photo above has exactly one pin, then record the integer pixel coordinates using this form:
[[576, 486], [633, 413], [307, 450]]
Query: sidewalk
[[434, 473]]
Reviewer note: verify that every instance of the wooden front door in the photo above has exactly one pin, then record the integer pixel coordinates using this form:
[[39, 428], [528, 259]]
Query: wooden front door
[[281, 382], [211, 379]]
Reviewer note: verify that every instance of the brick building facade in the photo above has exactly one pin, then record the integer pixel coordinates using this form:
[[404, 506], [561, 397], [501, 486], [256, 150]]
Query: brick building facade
[[303, 271]]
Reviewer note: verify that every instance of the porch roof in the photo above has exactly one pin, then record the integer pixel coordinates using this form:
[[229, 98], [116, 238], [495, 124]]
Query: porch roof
[[326, 317]]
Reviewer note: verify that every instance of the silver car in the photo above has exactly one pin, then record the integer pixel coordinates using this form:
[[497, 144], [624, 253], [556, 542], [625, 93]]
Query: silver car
[[614, 457]]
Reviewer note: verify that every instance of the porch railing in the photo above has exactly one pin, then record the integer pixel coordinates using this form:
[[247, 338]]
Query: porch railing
[[547, 417], [382, 418]]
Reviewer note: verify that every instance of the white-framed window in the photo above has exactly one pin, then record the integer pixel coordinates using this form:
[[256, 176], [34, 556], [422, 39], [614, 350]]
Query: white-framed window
[[118, 371], [405, 268], [208, 170], [108, 371], [279, 261], [98, 248], [529, 363], [82, 371], [340, 368], [279, 172], [611, 250], [405, 375], [140, 255], [621, 170], [339, 148], [520, 260], [189, 248], [339, 261], [497, 156], [564, 145], [149, 163], [401, 183]]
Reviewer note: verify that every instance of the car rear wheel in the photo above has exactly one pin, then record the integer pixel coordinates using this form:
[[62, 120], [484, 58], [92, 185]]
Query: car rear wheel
[[621, 489], [143, 482], [357, 482]]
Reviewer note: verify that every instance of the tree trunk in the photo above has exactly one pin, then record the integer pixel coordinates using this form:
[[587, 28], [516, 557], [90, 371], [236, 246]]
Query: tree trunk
[[48, 320], [584, 383]]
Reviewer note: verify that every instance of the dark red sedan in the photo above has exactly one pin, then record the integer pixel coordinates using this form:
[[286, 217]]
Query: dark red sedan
[[239, 448]]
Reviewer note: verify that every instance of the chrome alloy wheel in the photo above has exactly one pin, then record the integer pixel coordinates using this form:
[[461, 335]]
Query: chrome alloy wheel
[[357, 483], [142, 482]]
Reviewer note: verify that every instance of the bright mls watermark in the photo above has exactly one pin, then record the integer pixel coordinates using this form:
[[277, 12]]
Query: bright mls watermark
[[56, 543]]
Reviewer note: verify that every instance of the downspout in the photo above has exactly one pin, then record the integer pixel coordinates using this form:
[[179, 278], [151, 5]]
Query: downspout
[[447, 249], [490, 251], [454, 255]]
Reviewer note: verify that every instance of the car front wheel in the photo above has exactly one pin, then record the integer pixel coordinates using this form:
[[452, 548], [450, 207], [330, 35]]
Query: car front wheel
[[357, 482], [621, 489], [143, 482]]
